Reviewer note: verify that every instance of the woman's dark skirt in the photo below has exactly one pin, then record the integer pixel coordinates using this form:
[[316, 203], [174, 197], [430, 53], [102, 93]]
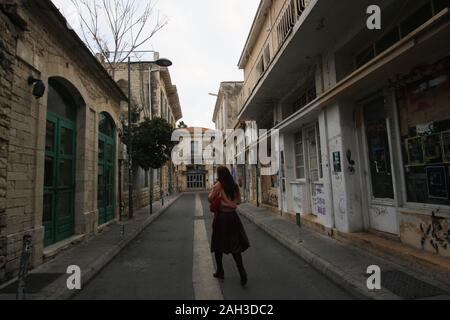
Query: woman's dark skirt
[[228, 235]]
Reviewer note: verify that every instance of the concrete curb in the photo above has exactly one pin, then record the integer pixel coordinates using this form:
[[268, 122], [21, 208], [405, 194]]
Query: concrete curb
[[340, 278], [63, 294]]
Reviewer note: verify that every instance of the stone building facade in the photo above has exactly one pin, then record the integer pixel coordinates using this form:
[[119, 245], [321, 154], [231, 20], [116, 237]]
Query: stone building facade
[[59, 144], [154, 95], [196, 172]]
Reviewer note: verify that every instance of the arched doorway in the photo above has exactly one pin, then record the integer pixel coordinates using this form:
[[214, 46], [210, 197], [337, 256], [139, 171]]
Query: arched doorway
[[106, 169], [60, 160]]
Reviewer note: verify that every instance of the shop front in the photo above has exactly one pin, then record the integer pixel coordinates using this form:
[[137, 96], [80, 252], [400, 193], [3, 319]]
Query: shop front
[[404, 151], [424, 125]]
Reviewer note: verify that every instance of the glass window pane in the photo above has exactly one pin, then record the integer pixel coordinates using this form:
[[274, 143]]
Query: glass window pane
[[106, 125], [64, 207], [100, 183], [50, 137], [48, 172], [424, 117], [65, 173], [379, 149], [60, 101], [101, 150], [108, 176], [67, 140], [109, 152], [47, 210], [314, 175], [301, 174]]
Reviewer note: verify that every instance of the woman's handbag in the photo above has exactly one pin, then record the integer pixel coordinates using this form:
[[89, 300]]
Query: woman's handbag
[[215, 203]]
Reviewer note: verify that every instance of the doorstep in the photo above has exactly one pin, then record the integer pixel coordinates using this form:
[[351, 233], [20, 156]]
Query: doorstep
[[52, 251], [389, 247], [345, 263], [400, 253]]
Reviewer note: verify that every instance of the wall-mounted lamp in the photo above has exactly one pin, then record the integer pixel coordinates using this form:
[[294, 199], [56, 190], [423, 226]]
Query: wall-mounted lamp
[[38, 87]]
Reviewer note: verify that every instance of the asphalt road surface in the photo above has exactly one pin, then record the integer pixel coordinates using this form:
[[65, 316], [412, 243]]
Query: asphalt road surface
[[171, 260]]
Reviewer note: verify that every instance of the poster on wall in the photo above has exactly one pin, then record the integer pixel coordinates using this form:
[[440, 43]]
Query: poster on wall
[[320, 200], [415, 151], [437, 183], [446, 144], [379, 156], [337, 162], [432, 148]]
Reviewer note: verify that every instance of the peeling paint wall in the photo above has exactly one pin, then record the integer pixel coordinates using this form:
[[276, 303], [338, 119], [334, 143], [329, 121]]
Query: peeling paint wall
[[420, 231]]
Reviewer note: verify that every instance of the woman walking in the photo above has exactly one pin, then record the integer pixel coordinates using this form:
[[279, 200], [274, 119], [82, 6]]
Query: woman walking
[[229, 236]]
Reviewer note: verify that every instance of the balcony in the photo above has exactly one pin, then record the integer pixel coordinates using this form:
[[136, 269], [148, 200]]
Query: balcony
[[303, 32], [288, 16]]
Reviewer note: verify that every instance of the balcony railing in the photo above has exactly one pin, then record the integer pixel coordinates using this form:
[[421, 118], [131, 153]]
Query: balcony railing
[[284, 24]]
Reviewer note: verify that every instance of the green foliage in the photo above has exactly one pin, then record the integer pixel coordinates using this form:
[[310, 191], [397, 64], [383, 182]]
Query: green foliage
[[152, 143], [182, 125]]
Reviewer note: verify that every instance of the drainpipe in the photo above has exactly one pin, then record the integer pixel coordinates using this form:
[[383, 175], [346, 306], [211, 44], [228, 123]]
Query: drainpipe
[[130, 162], [120, 190], [257, 173]]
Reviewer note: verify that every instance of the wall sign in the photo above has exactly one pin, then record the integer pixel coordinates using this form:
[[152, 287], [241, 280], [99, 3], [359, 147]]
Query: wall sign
[[337, 163]]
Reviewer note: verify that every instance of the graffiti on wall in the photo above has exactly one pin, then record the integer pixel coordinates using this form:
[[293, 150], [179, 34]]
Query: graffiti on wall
[[437, 233], [380, 211], [297, 192], [319, 200]]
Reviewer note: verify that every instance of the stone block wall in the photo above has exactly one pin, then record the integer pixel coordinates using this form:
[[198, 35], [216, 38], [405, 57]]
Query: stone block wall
[[46, 50], [7, 46]]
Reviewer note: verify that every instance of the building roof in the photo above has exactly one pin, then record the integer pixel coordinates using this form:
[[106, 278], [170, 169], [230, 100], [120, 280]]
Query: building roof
[[172, 94], [255, 30], [220, 95], [53, 15], [193, 129]]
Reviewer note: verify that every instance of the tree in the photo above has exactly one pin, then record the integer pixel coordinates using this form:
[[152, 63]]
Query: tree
[[152, 146], [117, 28]]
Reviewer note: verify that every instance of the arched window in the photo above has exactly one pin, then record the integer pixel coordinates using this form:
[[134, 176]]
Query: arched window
[[106, 168], [106, 125]]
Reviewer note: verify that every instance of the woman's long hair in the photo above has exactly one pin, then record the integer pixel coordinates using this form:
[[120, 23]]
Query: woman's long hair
[[226, 180]]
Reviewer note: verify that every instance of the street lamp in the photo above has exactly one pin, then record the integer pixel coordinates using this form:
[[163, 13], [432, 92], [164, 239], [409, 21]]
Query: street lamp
[[162, 62]]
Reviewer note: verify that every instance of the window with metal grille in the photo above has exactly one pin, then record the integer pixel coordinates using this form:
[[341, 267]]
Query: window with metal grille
[[299, 156]]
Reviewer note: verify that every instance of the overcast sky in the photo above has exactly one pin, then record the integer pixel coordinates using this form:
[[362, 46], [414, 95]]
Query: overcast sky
[[204, 39]]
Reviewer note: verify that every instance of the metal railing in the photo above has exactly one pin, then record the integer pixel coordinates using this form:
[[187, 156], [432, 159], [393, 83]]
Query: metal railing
[[283, 26]]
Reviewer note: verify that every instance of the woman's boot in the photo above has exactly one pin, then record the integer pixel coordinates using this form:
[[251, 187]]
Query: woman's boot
[[240, 265], [220, 274]]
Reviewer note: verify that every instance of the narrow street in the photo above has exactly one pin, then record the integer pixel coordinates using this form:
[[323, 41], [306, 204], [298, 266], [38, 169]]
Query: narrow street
[[170, 260]]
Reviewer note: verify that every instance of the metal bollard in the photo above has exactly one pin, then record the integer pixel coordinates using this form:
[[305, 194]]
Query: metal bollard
[[23, 268], [299, 220]]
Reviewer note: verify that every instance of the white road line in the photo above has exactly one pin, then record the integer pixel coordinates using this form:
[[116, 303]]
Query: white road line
[[198, 206], [206, 287]]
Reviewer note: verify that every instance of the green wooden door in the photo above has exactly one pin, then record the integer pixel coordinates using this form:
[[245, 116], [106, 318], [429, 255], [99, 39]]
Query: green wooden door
[[59, 179], [106, 174]]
